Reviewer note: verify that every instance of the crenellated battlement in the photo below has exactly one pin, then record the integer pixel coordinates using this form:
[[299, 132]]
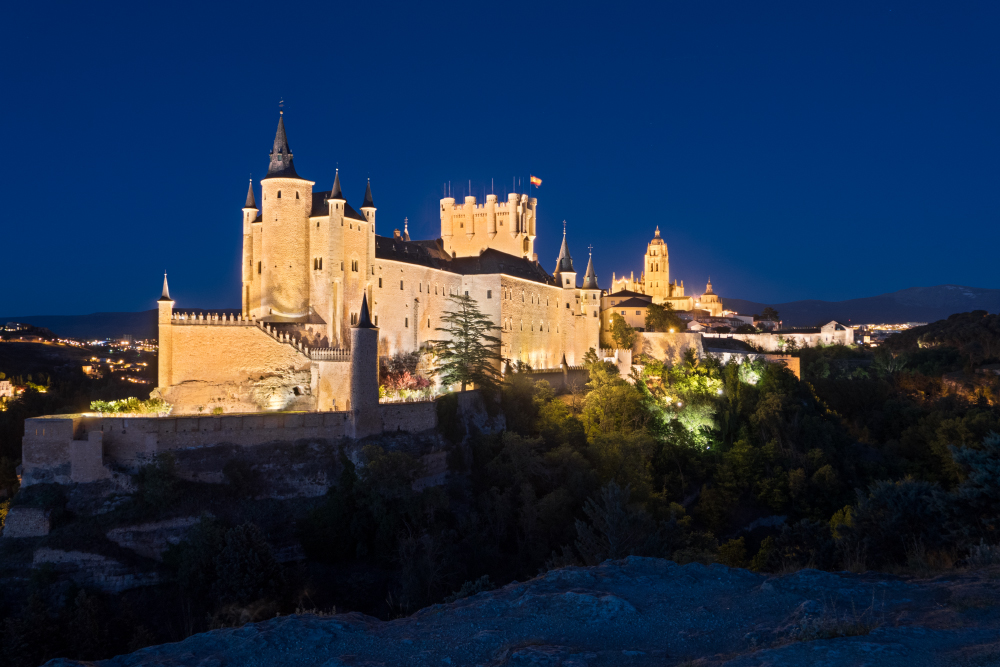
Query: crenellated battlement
[[217, 319]]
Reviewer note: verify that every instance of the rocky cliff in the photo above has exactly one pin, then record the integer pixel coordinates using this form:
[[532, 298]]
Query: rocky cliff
[[639, 611]]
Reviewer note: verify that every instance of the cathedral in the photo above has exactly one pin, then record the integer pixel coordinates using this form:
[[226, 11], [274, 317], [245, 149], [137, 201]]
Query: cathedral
[[313, 268], [655, 285]]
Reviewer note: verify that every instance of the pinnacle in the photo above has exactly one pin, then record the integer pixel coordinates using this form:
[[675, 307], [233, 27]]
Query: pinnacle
[[281, 165], [368, 203], [336, 192], [166, 290], [564, 262], [251, 202], [364, 319], [590, 278]]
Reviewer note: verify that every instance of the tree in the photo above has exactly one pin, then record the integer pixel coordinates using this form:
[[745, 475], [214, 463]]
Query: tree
[[661, 317], [746, 329], [471, 354], [621, 332], [770, 314]]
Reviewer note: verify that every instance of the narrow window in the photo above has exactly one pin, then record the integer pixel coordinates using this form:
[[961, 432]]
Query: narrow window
[[341, 266], [489, 294], [317, 224], [428, 323], [258, 268], [421, 288], [279, 194], [376, 320], [466, 292], [320, 263], [380, 283], [314, 264], [400, 284], [296, 194], [406, 322]]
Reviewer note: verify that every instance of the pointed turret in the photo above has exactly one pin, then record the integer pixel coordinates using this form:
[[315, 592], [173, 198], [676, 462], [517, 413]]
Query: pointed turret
[[251, 201], [590, 278], [406, 231], [281, 165], [564, 263], [364, 320], [368, 203], [335, 191], [166, 291]]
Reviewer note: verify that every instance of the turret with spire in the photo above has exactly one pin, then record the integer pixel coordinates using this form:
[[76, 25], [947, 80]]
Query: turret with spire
[[282, 165], [368, 205], [565, 272], [165, 315], [590, 278]]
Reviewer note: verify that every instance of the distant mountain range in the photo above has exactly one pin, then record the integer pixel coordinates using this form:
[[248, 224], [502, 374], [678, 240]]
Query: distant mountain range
[[916, 304], [101, 326]]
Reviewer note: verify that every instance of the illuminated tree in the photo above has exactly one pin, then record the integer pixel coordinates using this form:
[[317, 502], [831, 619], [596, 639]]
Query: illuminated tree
[[471, 354], [663, 318], [621, 332]]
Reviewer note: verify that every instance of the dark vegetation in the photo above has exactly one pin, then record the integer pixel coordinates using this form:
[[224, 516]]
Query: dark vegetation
[[871, 461]]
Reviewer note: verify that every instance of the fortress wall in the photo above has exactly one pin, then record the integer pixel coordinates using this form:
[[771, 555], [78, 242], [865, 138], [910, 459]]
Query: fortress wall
[[402, 313], [331, 384], [131, 441], [237, 368], [533, 327], [411, 417]]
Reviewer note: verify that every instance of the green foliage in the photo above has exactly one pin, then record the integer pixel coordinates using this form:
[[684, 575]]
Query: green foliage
[[130, 405], [246, 569], [733, 553], [663, 318], [621, 332], [975, 335], [770, 313], [470, 354]]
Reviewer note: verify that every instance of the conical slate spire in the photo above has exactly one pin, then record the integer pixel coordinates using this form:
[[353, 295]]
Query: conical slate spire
[[251, 202], [166, 290], [336, 192], [281, 165], [564, 262], [368, 203], [590, 279], [364, 320]]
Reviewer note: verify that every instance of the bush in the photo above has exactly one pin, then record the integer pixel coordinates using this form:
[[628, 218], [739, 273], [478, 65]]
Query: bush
[[130, 405], [157, 482], [246, 568], [894, 520]]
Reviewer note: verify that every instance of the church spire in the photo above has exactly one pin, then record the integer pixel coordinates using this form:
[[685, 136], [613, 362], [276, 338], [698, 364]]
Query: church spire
[[590, 278], [336, 192], [368, 203], [708, 289], [564, 262], [281, 165], [166, 290], [251, 202], [657, 234], [406, 231]]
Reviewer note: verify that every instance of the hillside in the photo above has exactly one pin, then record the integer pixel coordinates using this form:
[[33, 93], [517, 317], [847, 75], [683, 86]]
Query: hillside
[[916, 304], [636, 611], [101, 325]]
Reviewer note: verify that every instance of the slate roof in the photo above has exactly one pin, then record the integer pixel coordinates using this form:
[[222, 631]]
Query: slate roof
[[632, 303], [320, 208], [281, 165], [431, 254], [626, 293]]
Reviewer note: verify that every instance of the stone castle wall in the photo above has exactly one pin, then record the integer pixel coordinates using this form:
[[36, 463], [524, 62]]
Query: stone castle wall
[[82, 448]]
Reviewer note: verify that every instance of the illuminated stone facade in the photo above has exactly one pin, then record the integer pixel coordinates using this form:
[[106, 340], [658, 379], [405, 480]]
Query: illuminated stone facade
[[309, 262]]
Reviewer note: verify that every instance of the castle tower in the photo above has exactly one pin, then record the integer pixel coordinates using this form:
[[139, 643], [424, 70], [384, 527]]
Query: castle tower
[[590, 293], [468, 227], [565, 273], [249, 215], [285, 261], [165, 354], [656, 269], [368, 206], [335, 261], [366, 418]]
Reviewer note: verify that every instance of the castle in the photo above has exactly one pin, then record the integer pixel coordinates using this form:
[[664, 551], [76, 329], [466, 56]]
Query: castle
[[314, 269]]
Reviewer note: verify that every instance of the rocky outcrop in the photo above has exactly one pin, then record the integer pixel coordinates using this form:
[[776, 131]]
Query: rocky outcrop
[[638, 611], [94, 571], [152, 539], [27, 522]]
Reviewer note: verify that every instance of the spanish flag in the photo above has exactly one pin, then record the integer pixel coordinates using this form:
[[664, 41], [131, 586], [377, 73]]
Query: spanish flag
[[536, 181]]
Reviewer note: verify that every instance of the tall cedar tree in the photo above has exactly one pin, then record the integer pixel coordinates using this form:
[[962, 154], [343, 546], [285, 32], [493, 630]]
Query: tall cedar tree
[[471, 355]]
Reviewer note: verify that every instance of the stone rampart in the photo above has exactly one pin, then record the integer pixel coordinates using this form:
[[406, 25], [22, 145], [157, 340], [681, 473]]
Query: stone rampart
[[82, 448], [668, 347]]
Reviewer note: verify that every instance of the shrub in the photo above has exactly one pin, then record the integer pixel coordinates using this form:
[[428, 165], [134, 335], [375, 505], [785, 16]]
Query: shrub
[[157, 482], [246, 568], [733, 553], [130, 405], [471, 588]]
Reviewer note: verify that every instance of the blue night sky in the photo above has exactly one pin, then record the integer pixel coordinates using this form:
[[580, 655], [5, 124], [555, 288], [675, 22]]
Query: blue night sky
[[790, 150]]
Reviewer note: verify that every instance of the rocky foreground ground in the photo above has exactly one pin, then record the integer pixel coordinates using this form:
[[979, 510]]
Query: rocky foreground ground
[[639, 611]]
